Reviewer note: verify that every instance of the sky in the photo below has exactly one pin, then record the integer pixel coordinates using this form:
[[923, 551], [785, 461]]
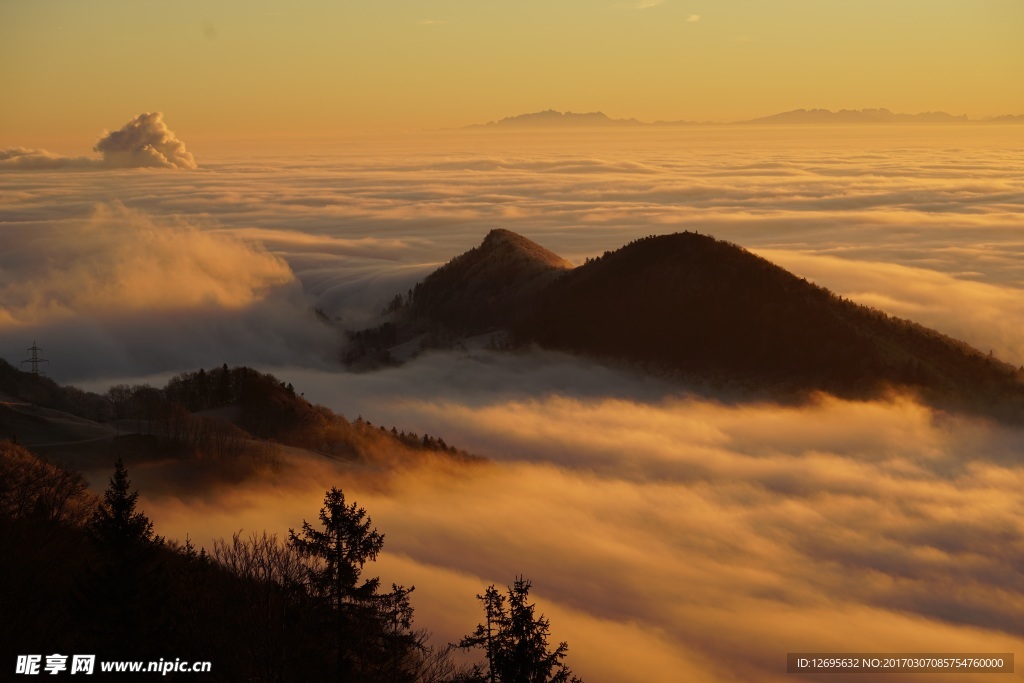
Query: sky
[[267, 69]]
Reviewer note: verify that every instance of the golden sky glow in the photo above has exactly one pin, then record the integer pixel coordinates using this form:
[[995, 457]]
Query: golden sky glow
[[68, 69]]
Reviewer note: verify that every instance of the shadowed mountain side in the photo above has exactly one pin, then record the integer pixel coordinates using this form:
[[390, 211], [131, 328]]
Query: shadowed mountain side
[[88, 574], [707, 309], [490, 286], [698, 309]]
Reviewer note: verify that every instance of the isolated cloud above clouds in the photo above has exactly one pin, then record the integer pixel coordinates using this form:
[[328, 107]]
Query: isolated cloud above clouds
[[143, 142]]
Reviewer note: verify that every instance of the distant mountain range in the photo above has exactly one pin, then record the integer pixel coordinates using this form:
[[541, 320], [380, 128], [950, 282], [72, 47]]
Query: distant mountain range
[[691, 307], [557, 119], [551, 118], [857, 116]]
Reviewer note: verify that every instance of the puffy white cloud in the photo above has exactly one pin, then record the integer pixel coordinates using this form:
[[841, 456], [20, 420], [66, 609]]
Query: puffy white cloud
[[145, 141]]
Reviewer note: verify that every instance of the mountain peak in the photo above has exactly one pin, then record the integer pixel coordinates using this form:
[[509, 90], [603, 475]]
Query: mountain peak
[[514, 245], [488, 285]]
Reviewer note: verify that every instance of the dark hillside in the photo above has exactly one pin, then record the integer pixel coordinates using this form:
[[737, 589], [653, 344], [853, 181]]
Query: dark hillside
[[690, 304], [83, 574], [43, 391]]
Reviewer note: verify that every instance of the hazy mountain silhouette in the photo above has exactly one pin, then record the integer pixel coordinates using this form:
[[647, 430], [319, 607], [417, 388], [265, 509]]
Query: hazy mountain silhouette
[[556, 119], [693, 307], [818, 116]]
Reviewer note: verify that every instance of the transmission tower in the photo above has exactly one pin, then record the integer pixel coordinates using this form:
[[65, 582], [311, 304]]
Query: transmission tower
[[34, 360]]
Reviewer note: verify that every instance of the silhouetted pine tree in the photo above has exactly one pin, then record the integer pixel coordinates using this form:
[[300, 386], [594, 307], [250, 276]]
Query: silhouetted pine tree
[[116, 526], [123, 599], [516, 641], [373, 631]]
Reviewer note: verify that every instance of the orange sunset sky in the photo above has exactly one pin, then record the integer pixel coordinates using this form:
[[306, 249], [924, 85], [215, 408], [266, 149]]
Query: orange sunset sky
[[265, 68]]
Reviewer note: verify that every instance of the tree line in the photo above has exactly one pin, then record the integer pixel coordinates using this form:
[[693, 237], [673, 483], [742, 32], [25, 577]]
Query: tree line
[[89, 574], [219, 411]]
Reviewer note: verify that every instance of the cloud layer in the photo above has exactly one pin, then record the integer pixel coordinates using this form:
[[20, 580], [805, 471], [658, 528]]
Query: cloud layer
[[680, 535], [143, 142], [121, 291], [669, 538], [122, 261], [24, 159], [924, 224]]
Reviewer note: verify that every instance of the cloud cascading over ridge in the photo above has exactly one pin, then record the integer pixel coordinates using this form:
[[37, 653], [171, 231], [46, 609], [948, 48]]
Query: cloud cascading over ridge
[[143, 142], [124, 260], [121, 291]]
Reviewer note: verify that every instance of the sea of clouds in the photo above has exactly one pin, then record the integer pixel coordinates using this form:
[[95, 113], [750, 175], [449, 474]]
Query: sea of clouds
[[676, 538], [669, 536], [924, 223]]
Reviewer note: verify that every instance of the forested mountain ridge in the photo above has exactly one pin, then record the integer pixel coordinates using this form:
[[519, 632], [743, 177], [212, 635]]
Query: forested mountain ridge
[[699, 309], [704, 308], [229, 421]]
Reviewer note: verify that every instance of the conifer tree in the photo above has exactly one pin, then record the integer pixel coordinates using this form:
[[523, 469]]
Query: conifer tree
[[123, 599], [346, 543], [516, 641], [369, 627], [116, 525]]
